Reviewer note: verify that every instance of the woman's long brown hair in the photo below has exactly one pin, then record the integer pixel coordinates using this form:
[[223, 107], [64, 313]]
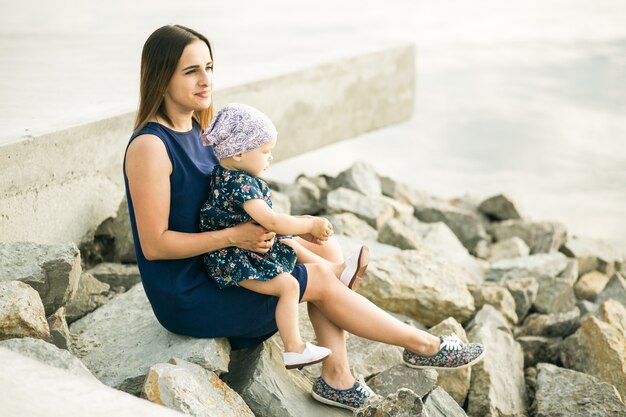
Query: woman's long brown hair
[[159, 59]]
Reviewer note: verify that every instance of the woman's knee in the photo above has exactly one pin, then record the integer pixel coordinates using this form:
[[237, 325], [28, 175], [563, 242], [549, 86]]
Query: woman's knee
[[321, 281]]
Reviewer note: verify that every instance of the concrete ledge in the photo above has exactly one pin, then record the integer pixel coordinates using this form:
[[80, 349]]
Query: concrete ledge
[[60, 186]]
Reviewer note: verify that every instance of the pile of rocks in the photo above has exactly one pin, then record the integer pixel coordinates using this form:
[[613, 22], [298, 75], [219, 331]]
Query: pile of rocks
[[549, 308]]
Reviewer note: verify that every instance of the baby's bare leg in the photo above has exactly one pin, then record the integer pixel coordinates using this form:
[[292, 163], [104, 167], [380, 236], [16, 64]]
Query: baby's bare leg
[[287, 289], [306, 256]]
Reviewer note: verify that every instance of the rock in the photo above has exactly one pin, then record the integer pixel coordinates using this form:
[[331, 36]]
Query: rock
[[590, 285], [409, 233], [127, 324], [524, 292], [47, 353], [348, 224], [59, 330], [404, 403], [31, 388], [21, 312], [593, 255], [400, 209], [193, 390], [440, 404], [117, 231], [90, 295], [116, 275], [540, 349], [499, 207], [551, 325], [541, 237], [280, 202], [405, 193], [374, 210], [587, 307], [360, 177], [420, 381], [369, 358], [305, 197], [455, 382], [615, 289], [497, 296], [419, 284], [466, 225], [598, 349], [614, 314], [377, 250], [513, 247], [260, 377], [498, 387], [489, 316], [52, 270], [563, 392]]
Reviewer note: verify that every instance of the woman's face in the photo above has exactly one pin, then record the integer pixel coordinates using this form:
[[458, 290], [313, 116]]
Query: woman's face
[[191, 86]]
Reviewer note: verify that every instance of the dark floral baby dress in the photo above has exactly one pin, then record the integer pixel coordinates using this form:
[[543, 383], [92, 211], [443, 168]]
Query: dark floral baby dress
[[229, 189]]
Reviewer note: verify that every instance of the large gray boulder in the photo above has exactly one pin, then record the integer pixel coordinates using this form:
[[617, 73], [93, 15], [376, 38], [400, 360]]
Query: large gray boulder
[[590, 285], [403, 192], [498, 387], [615, 289], [304, 197], [419, 284], [440, 404], [90, 295], [31, 388], [567, 393], [59, 329], [21, 312], [121, 340], [513, 247], [112, 241], [551, 325], [593, 255], [47, 353], [348, 224], [193, 390], [499, 207], [369, 358], [524, 292], [360, 177], [496, 295], [540, 349], [374, 210], [52, 270], [541, 237], [403, 403], [270, 390], [420, 381], [116, 275]]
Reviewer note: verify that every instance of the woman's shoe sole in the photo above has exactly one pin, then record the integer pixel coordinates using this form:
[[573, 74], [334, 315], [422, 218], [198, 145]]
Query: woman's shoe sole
[[473, 362], [333, 403]]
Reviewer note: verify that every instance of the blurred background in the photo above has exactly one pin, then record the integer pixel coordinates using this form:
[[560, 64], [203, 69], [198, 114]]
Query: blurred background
[[527, 98]]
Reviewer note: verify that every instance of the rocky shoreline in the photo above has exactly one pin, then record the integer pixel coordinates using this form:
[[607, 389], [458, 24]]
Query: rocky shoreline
[[549, 307]]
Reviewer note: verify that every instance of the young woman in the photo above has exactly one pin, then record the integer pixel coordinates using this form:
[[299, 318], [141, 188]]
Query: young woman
[[167, 171]]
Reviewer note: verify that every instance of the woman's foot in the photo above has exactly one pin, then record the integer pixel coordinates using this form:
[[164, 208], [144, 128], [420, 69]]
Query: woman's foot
[[452, 354], [355, 267], [352, 398], [311, 354]]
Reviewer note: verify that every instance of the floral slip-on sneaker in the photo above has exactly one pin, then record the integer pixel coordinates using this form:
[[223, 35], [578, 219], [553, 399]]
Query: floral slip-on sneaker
[[351, 398], [453, 354]]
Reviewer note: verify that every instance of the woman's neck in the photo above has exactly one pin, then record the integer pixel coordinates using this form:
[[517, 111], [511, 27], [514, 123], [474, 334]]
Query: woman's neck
[[180, 122]]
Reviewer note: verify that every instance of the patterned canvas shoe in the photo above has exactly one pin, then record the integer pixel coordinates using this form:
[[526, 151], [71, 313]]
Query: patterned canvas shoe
[[351, 398], [356, 265], [453, 353]]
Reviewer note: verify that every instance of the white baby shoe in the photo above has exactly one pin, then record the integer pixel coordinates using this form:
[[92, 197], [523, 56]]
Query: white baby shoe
[[312, 354], [356, 265]]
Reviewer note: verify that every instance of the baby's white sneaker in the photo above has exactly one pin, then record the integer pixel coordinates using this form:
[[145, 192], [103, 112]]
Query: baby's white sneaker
[[312, 354]]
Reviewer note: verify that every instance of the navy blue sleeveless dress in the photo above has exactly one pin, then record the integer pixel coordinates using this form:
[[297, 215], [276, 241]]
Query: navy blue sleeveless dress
[[183, 297]]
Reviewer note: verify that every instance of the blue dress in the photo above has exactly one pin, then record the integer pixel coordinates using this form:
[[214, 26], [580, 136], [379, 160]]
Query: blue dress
[[183, 297], [224, 208]]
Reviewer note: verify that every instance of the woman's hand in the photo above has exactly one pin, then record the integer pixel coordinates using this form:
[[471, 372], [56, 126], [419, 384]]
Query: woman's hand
[[251, 236]]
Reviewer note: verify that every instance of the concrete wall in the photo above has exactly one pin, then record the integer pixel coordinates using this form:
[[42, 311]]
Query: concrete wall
[[60, 186]]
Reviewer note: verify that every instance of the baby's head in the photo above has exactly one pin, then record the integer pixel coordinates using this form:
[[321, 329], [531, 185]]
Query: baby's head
[[242, 138]]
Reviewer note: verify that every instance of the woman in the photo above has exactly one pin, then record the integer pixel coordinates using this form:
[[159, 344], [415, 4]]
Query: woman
[[166, 173]]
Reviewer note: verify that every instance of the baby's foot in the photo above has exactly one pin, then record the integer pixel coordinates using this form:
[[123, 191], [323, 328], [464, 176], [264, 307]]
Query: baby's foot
[[356, 265], [310, 355]]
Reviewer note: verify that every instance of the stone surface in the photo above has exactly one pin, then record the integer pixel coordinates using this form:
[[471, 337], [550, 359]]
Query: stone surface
[[587, 307], [614, 313], [260, 377], [90, 295], [403, 403], [52, 270], [499, 207], [524, 292], [551, 325], [420, 381], [513, 247], [567, 393], [541, 237], [369, 358], [590, 285], [489, 316], [348, 224], [498, 387], [598, 349], [377, 250], [122, 339], [59, 330], [360, 177], [31, 388], [280, 202], [419, 284], [540, 349], [440, 404], [191, 389], [400, 208], [116, 275], [374, 210], [497, 296], [304, 197], [455, 382], [615, 289], [403, 192], [21, 312], [47, 353], [117, 231], [593, 255]]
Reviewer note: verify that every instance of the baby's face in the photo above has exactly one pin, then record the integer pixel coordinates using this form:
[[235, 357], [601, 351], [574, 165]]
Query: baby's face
[[257, 160]]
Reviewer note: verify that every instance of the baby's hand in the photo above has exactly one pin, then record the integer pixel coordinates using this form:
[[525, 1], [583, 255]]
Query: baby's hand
[[322, 229]]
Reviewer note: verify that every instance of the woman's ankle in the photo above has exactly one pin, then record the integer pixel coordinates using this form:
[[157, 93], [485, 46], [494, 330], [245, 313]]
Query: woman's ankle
[[338, 377], [427, 346]]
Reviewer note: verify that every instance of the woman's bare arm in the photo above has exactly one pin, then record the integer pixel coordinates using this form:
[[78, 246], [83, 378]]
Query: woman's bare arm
[[148, 169]]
